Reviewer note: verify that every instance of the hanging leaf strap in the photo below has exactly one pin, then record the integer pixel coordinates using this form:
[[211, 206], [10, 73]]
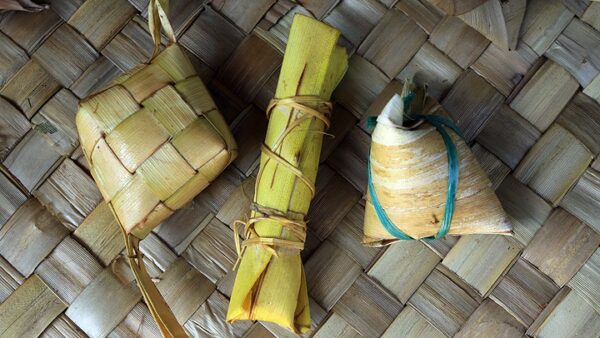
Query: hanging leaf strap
[[158, 11], [440, 123], [158, 307]]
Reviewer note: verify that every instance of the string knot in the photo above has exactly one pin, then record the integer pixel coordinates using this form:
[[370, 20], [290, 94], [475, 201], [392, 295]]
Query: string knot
[[313, 106], [302, 109], [295, 226]]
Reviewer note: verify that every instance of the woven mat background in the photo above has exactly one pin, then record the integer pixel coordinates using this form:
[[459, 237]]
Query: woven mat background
[[532, 116]]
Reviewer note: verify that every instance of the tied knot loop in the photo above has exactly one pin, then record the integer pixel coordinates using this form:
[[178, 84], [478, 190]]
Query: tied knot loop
[[302, 109], [261, 213], [311, 106], [306, 108]]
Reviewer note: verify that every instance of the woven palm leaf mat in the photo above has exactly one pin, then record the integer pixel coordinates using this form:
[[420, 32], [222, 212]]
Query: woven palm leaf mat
[[531, 116]]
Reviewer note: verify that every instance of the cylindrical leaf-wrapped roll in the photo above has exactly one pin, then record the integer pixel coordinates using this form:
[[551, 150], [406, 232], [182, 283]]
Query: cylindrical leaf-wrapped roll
[[270, 283]]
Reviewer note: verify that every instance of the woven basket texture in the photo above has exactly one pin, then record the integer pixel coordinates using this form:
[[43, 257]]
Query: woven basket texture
[[531, 116]]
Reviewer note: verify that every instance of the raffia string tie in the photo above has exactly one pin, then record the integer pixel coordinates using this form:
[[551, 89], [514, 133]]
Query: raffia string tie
[[305, 108], [299, 104], [297, 227]]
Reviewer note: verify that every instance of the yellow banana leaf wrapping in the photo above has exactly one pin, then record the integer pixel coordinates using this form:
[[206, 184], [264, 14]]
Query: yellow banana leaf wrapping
[[270, 284]]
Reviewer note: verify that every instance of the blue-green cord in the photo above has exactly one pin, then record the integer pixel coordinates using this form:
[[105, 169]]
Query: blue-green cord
[[439, 123], [408, 99]]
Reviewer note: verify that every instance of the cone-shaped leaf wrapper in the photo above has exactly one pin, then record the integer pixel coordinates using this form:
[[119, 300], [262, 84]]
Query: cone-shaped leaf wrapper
[[410, 175], [270, 283]]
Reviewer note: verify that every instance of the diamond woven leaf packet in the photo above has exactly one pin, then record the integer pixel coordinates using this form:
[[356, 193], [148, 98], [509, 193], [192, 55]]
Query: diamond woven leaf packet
[[154, 139], [423, 179]]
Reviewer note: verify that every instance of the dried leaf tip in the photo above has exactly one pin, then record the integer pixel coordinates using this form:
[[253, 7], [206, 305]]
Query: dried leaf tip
[[398, 106], [393, 112]]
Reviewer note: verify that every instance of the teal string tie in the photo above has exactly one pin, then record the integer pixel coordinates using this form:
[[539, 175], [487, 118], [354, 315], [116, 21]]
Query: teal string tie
[[439, 123], [371, 122]]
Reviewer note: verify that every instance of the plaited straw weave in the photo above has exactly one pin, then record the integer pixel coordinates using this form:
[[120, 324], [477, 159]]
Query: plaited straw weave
[[530, 116], [21, 5], [456, 7]]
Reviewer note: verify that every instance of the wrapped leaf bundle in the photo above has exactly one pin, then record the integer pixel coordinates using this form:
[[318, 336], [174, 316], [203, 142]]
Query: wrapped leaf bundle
[[270, 283], [424, 181], [154, 139]]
